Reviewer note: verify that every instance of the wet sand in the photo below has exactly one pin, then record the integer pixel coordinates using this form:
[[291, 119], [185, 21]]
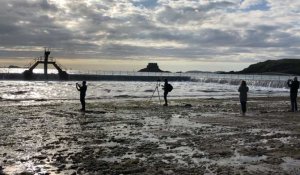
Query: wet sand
[[191, 136]]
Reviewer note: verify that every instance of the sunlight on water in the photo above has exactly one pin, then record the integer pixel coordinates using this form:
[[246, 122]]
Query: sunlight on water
[[55, 90]]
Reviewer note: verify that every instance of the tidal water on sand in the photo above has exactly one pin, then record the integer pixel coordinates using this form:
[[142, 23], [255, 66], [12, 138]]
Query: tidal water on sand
[[65, 90]]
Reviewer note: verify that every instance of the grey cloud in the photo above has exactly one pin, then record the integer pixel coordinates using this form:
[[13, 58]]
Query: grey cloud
[[183, 14], [164, 23]]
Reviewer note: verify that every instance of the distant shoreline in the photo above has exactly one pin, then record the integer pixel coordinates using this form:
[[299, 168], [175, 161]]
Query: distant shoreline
[[88, 77]]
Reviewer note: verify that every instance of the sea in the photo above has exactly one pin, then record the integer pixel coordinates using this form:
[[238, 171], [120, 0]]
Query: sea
[[202, 85]]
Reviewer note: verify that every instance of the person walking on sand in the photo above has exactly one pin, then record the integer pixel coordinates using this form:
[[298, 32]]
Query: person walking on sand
[[243, 89], [167, 88], [294, 86], [82, 88]]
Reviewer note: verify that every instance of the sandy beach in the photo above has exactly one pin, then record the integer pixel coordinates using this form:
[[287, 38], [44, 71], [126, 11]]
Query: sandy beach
[[191, 136]]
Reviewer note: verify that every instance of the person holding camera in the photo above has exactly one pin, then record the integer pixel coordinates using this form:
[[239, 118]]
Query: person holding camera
[[294, 86], [82, 88]]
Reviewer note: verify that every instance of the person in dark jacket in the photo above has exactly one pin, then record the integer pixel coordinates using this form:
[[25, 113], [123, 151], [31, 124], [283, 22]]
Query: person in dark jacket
[[294, 86], [243, 89], [82, 88]]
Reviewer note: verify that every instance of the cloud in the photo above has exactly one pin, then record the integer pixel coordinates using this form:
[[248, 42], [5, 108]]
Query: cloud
[[245, 4], [224, 30]]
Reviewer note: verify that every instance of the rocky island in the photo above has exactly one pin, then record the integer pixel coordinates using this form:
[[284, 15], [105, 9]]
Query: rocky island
[[152, 67]]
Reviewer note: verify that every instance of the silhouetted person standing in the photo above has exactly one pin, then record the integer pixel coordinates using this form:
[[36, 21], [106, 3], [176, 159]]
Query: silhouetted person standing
[[243, 89], [294, 86], [82, 88], [167, 88]]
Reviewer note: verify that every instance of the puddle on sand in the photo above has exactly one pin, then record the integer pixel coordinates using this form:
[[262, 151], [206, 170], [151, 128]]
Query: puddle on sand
[[175, 120], [236, 160], [239, 159], [179, 155], [266, 132], [290, 165], [129, 155], [30, 167], [178, 120], [272, 133], [285, 140]]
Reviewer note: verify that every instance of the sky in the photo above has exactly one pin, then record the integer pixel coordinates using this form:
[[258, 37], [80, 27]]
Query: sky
[[180, 35]]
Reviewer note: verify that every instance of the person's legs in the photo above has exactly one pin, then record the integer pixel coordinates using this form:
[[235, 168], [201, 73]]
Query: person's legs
[[82, 101], [165, 98], [83, 104], [244, 107], [293, 102], [296, 107]]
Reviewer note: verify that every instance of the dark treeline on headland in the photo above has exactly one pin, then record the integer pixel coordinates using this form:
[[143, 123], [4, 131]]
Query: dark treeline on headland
[[282, 66], [269, 67]]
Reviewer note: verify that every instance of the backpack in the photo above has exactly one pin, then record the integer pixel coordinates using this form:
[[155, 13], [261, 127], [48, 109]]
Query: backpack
[[169, 88]]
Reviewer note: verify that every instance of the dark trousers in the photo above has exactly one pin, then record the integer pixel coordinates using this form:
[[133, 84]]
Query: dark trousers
[[244, 106], [165, 97], [82, 101], [294, 102]]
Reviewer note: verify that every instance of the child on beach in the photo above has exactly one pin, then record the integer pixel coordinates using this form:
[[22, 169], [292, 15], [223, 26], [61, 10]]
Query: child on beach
[[82, 88], [243, 89]]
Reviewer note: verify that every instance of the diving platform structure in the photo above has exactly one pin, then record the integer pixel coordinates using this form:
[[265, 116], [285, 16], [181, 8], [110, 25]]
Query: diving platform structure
[[63, 75], [45, 60]]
